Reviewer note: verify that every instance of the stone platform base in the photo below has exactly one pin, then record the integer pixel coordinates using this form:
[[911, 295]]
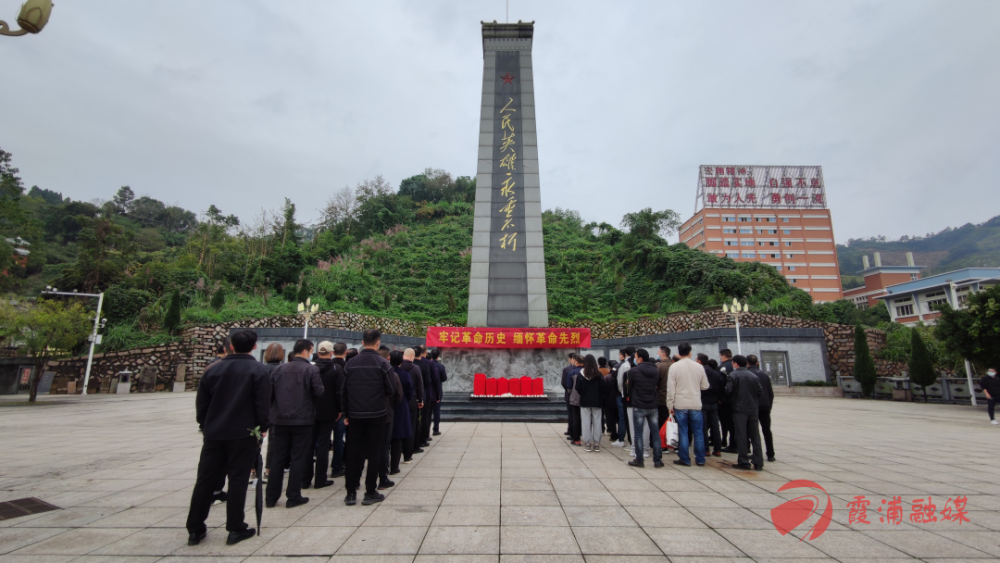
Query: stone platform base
[[464, 363], [803, 391]]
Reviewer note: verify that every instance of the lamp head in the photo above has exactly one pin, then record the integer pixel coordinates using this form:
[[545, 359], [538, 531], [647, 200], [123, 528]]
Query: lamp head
[[736, 303], [301, 307], [315, 308], [34, 15], [725, 308], [746, 307]]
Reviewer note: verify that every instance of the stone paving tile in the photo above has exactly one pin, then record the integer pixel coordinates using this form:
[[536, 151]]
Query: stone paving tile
[[80, 541], [450, 540], [624, 541], [532, 516], [599, 516], [467, 516], [924, 545], [306, 541], [372, 541], [537, 540], [692, 542], [529, 498]]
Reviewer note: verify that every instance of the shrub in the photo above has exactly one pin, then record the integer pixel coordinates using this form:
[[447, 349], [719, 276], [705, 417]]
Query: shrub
[[864, 365], [218, 300], [122, 303], [920, 365], [172, 320]]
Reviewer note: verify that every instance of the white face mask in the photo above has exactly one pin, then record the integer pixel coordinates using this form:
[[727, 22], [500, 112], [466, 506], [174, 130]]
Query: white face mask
[[991, 373]]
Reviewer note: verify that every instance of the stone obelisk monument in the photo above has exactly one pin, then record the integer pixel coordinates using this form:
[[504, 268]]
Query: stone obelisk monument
[[507, 286]]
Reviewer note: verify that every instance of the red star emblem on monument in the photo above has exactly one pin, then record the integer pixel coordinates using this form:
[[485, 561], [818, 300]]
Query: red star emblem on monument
[[508, 79]]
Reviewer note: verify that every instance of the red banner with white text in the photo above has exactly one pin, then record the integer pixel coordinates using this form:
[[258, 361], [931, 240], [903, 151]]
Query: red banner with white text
[[471, 337]]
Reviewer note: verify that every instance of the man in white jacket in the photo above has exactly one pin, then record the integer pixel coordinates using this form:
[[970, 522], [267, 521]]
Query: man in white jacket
[[685, 382]]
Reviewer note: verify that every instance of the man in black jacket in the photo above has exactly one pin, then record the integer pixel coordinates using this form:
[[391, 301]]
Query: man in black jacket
[[339, 430], [726, 408], [567, 384], [416, 403], [390, 412], [295, 386], [744, 391], [765, 404], [328, 414], [643, 382], [233, 399], [432, 389], [366, 387], [710, 401], [442, 377]]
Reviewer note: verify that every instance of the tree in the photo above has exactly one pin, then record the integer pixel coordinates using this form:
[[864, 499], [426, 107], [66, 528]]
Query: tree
[[864, 365], [172, 320], [218, 300], [341, 208], [44, 330], [12, 216], [647, 224], [123, 200], [921, 365], [288, 229], [106, 250], [973, 332]]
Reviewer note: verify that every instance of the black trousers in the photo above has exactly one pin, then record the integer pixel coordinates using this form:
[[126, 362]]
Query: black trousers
[[710, 415], [321, 438], [426, 414], [409, 442], [663, 413], [577, 426], [726, 422], [364, 443], [292, 446], [437, 416], [611, 420], [383, 468], [746, 433], [569, 415], [395, 453], [765, 429], [991, 404], [222, 458]]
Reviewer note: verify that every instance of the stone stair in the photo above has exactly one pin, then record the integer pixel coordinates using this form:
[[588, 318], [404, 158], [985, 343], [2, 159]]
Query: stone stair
[[459, 407]]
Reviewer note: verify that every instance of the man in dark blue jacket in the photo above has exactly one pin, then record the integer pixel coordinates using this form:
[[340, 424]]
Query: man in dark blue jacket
[[432, 393], [234, 398], [442, 377], [764, 405], [295, 387], [328, 415]]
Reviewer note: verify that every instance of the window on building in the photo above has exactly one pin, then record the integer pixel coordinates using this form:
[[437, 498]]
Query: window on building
[[772, 220], [788, 244], [786, 231], [775, 256], [746, 243], [904, 310], [744, 219], [913, 277], [935, 304], [784, 219], [732, 255], [793, 280], [731, 243], [748, 255], [729, 231], [790, 268], [790, 255], [772, 243], [729, 219], [746, 231]]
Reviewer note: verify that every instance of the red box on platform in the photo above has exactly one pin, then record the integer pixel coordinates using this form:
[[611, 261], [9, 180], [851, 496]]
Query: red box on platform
[[501, 387], [512, 338]]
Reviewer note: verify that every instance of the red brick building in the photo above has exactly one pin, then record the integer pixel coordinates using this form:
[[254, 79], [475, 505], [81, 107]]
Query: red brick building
[[771, 214], [878, 278]]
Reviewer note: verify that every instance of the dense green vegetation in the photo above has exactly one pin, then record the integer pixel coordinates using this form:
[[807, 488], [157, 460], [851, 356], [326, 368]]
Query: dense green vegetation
[[401, 253], [967, 246]]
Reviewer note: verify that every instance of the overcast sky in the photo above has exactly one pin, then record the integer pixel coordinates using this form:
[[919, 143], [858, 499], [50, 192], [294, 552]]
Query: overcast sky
[[241, 103]]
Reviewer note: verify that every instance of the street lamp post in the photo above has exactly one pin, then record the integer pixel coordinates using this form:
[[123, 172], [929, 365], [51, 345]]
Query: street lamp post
[[736, 309], [33, 17], [98, 324], [307, 309]]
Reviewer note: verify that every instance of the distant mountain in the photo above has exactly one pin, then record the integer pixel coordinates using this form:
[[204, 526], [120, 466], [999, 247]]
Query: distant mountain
[[950, 249]]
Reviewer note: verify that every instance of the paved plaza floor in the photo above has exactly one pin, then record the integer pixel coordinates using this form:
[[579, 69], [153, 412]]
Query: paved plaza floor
[[122, 469]]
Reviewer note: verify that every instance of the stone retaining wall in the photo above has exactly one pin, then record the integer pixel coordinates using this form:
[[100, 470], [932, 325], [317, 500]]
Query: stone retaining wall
[[191, 355]]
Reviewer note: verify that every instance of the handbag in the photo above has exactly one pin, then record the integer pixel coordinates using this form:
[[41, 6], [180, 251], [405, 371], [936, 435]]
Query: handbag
[[669, 434]]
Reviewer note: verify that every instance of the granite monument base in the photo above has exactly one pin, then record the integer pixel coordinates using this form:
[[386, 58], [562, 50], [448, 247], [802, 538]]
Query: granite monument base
[[464, 363]]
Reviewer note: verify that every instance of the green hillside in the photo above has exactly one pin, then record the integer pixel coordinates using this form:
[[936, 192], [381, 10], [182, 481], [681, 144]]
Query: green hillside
[[398, 252], [950, 249]]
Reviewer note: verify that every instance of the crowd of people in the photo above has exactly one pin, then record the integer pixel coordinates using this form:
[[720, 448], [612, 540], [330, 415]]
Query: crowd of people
[[372, 409], [724, 405]]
